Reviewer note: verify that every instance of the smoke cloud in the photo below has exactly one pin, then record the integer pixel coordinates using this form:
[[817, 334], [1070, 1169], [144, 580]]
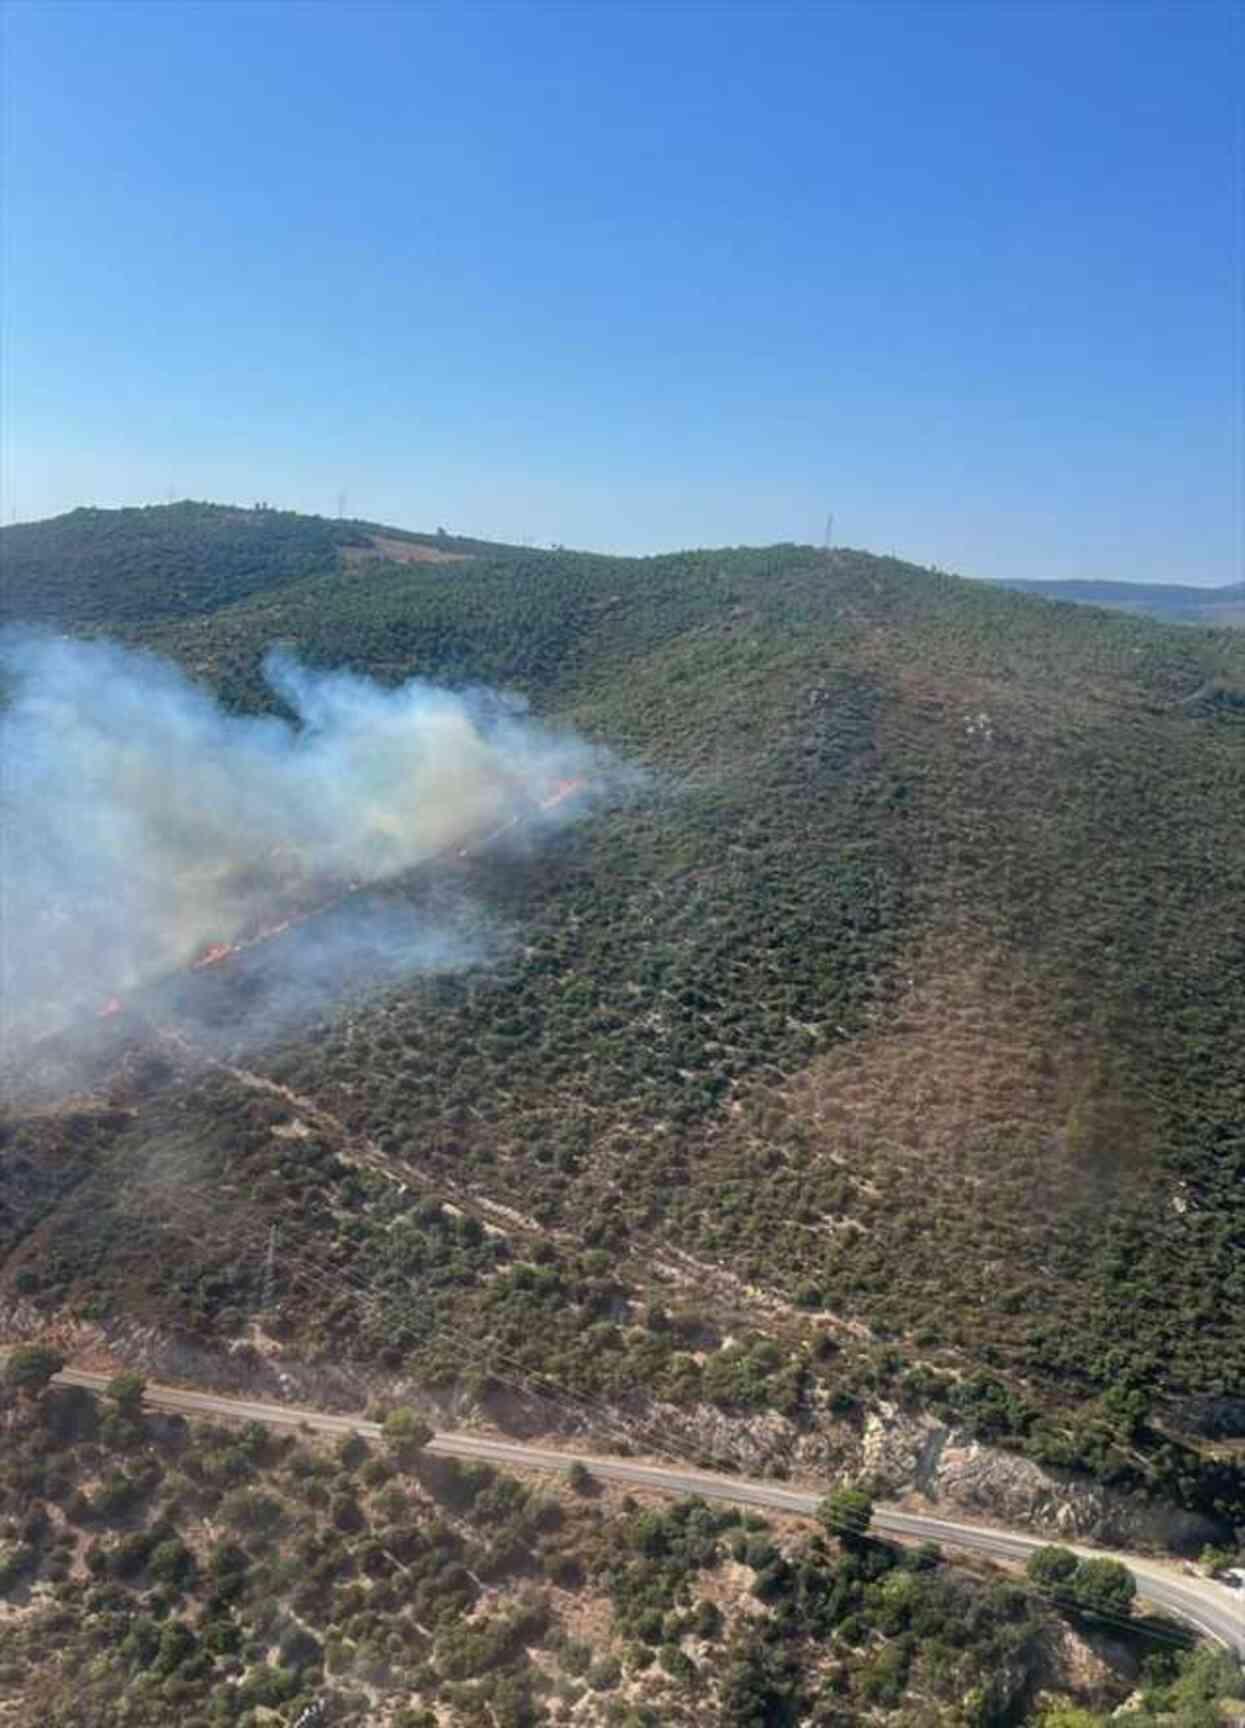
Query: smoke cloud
[[146, 830]]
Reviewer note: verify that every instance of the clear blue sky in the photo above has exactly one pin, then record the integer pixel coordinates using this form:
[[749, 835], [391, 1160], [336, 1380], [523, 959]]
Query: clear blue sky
[[640, 276]]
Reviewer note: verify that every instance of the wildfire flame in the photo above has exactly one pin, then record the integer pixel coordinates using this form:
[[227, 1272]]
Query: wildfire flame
[[212, 956], [221, 951], [562, 789]]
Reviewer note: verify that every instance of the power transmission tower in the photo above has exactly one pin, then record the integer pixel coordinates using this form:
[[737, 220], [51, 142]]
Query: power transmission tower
[[830, 532], [341, 505]]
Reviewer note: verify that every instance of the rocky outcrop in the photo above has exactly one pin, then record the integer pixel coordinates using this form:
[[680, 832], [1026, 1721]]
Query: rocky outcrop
[[916, 1458], [917, 1455], [1093, 1670], [906, 1457]]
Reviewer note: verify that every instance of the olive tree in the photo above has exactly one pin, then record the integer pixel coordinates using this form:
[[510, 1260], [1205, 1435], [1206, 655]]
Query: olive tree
[[847, 1513], [31, 1368], [405, 1434]]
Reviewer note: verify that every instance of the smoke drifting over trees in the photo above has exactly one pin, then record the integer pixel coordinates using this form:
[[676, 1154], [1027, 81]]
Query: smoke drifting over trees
[[146, 829]]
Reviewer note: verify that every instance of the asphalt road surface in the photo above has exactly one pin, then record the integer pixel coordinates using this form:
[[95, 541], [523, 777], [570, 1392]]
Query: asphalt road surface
[[1215, 1610]]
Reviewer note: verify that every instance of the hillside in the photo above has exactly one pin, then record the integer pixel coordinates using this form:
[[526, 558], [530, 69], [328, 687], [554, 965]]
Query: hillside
[[117, 570], [880, 1045], [203, 1573], [1172, 602]]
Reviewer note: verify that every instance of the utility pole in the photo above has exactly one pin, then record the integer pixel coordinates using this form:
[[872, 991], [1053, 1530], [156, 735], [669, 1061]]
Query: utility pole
[[270, 1272]]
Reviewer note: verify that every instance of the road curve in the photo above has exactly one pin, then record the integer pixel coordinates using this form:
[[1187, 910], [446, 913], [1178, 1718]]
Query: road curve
[[1214, 1610]]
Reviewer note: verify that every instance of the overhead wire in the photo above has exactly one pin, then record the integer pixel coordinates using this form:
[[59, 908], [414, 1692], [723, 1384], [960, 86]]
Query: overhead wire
[[519, 1377]]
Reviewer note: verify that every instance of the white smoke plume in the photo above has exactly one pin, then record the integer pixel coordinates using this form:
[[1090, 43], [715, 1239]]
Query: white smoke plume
[[145, 829]]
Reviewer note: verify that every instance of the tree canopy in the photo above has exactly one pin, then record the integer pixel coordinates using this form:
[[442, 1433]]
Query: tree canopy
[[31, 1368]]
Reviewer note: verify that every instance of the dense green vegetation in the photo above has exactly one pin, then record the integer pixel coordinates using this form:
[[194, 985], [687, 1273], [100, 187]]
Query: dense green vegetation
[[111, 570], [152, 1571], [1201, 1689], [1091, 1586], [116, 572], [904, 994]]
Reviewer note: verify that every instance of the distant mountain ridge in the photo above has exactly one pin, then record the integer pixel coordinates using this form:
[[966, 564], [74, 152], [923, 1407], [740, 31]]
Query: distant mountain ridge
[[1173, 602]]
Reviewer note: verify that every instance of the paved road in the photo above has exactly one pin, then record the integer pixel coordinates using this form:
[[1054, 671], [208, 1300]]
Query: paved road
[[1213, 1609]]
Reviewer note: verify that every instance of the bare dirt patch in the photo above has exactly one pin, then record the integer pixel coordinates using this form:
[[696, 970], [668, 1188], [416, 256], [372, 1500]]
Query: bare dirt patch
[[399, 552], [945, 1154]]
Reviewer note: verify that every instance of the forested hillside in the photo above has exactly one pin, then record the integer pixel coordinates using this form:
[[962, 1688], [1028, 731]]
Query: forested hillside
[[207, 1574], [120, 570], [881, 1040]]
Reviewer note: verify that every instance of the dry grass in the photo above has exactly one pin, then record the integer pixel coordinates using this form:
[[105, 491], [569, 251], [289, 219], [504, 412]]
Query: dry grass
[[399, 552], [967, 1133]]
